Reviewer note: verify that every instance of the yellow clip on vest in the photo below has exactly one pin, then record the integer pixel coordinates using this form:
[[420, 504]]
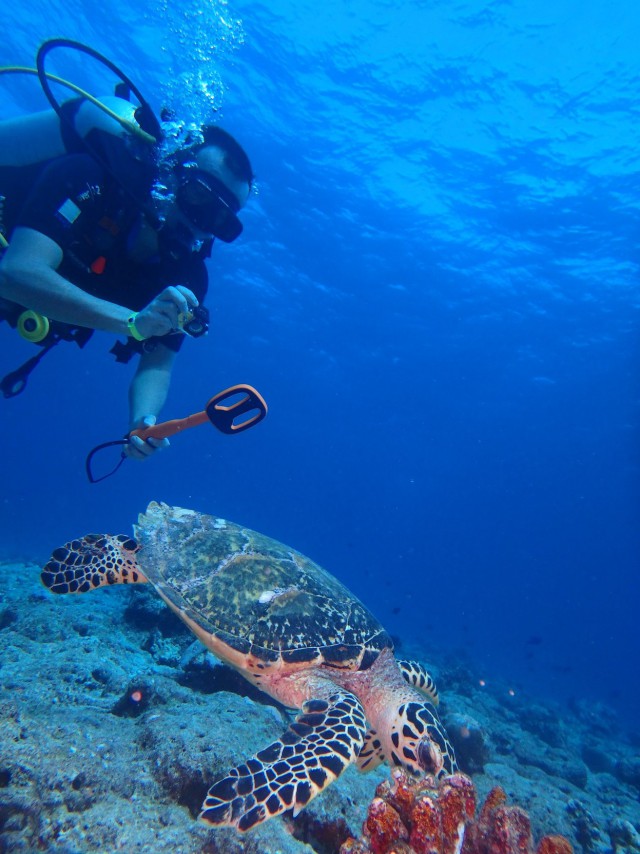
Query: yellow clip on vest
[[32, 326]]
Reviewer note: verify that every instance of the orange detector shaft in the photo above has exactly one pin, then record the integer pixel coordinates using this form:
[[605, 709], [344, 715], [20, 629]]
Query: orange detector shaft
[[170, 428], [231, 411]]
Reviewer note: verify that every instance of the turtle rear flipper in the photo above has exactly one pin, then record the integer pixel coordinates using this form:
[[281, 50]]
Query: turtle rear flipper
[[92, 561], [323, 740]]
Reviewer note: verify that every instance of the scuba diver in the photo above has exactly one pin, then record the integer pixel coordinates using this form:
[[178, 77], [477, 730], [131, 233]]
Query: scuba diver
[[103, 231]]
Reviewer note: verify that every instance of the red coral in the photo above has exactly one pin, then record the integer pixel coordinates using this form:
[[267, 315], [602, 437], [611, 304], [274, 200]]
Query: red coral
[[427, 817], [426, 831], [383, 826], [554, 845], [496, 798], [401, 793], [457, 802], [501, 830]]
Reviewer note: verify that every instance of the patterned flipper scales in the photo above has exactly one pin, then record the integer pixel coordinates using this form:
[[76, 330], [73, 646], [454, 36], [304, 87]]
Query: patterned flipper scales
[[92, 561], [420, 742], [323, 740], [371, 754], [417, 675]]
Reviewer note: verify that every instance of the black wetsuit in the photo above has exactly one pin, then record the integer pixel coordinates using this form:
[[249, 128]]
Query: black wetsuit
[[79, 205]]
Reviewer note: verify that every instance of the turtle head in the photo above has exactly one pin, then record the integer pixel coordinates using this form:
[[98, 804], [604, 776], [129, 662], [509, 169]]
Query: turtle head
[[420, 742]]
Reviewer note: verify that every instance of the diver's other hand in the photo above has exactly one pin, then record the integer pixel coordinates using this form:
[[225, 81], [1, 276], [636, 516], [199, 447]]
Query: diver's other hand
[[162, 315], [141, 449]]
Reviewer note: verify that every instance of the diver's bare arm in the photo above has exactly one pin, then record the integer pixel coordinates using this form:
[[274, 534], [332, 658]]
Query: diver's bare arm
[[150, 385], [28, 276]]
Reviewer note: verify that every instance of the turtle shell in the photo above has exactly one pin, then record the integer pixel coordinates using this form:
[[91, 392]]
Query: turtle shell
[[252, 593]]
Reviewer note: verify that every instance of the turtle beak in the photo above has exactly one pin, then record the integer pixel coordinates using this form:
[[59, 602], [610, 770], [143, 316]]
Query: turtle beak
[[430, 757]]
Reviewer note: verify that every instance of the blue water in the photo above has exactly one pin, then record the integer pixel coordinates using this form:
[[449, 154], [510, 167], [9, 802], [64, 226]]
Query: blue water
[[437, 293]]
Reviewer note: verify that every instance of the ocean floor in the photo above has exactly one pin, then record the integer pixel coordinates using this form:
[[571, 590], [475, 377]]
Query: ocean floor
[[113, 722]]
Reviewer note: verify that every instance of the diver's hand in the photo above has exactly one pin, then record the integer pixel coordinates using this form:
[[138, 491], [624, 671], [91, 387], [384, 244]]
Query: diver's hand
[[163, 313], [141, 449]]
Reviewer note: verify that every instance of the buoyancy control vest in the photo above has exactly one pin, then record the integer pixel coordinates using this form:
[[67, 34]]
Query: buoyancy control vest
[[113, 130]]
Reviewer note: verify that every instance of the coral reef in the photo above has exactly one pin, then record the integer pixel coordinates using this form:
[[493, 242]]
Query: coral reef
[[113, 723], [426, 816], [627, 770], [585, 828], [469, 741], [624, 837]]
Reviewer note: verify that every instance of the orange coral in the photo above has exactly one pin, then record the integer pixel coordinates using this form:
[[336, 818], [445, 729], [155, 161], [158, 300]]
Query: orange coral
[[437, 817]]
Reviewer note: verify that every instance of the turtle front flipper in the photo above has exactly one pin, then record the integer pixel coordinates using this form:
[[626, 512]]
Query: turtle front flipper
[[323, 740], [417, 675], [92, 561]]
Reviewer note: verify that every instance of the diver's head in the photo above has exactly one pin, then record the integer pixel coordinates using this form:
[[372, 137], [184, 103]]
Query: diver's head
[[213, 182]]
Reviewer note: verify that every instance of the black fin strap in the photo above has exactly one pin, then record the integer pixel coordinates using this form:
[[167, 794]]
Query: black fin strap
[[15, 382]]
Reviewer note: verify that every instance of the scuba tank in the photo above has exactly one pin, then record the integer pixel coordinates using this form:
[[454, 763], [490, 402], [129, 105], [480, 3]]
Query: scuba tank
[[50, 133], [30, 139], [33, 139]]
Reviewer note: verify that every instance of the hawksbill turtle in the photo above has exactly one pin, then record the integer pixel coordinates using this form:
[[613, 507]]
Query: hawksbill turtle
[[290, 628]]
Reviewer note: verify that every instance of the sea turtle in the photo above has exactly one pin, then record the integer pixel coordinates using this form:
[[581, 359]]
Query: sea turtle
[[291, 629]]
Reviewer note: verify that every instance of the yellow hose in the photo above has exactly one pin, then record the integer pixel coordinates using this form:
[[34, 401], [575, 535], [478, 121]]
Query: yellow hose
[[127, 125]]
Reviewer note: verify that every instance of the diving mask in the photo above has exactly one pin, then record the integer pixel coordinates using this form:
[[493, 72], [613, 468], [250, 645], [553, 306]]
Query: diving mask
[[208, 204]]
